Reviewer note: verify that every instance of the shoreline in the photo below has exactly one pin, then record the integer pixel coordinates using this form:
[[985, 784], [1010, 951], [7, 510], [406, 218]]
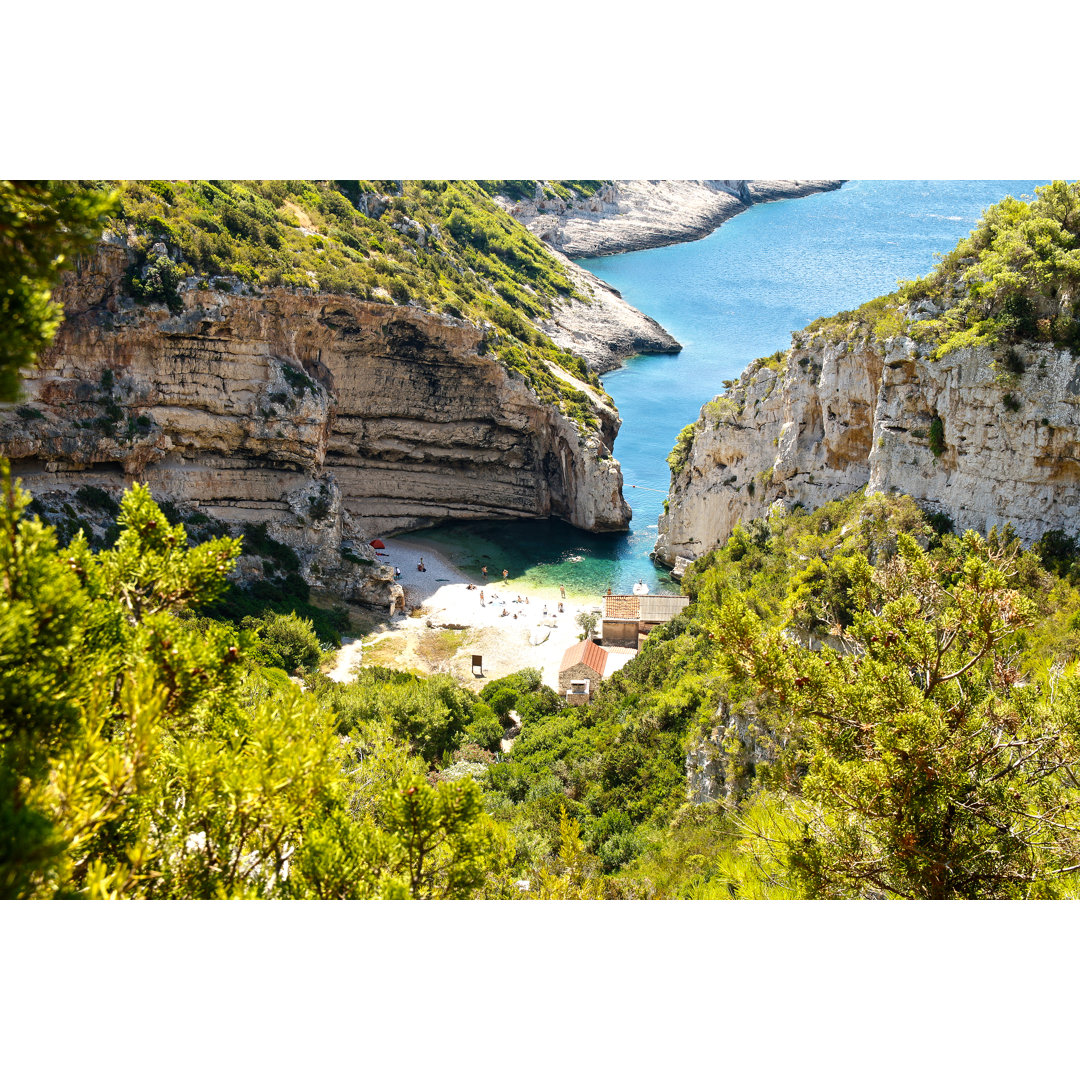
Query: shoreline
[[647, 214], [445, 623]]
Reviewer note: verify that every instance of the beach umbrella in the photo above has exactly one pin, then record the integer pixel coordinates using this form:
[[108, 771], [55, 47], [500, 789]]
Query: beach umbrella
[[378, 545]]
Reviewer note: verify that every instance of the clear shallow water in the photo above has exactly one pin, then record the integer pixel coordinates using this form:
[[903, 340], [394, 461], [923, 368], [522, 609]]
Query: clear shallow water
[[730, 298]]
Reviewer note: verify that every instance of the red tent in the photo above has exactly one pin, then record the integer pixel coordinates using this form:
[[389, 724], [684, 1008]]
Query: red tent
[[378, 545]]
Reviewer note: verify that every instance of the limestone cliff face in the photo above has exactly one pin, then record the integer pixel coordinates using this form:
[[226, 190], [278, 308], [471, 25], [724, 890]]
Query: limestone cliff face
[[846, 414], [631, 215], [331, 419]]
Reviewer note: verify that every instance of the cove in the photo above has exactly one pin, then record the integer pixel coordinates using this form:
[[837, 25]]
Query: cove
[[729, 298]]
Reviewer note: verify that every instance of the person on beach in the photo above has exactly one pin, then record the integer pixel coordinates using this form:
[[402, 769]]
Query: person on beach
[[421, 567], [483, 570], [504, 613], [560, 607], [506, 574], [519, 600], [562, 594], [481, 597], [526, 600], [397, 571]]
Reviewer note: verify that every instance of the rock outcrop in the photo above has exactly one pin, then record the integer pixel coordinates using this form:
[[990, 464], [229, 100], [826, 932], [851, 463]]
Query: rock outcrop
[[329, 418], [721, 765], [959, 434], [605, 330], [631, 215]]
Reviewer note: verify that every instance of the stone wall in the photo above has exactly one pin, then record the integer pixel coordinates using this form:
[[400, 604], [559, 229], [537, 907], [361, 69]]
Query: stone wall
[[578, 671]]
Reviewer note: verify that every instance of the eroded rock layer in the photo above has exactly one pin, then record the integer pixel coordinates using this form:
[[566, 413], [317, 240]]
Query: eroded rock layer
[[958, 434], [331, 419]]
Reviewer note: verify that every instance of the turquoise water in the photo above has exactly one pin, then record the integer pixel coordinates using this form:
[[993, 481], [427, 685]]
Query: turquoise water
[[734, 296]]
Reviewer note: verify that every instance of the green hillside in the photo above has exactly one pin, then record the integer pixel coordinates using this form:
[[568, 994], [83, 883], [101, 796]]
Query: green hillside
[[1015, 278]]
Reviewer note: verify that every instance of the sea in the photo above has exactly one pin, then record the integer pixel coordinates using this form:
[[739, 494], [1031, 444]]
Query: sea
[[729, 298]]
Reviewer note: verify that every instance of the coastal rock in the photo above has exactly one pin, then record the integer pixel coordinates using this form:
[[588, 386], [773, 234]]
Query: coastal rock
[[330, 419], [631, 215], [840, 415], [604, 328]]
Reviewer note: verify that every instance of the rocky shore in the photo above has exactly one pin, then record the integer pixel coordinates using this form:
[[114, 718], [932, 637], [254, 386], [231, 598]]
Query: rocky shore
[[632, 215], [605, 330]]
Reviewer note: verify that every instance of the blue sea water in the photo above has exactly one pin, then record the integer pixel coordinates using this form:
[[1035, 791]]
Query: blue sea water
[[728, 299]]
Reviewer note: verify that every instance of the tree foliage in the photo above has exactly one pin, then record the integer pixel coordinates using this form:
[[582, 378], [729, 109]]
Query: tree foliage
[[922, 763], [144, 753], [44, 226]]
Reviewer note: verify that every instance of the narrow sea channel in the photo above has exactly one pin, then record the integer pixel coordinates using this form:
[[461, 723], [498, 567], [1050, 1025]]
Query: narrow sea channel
[[734, 296]]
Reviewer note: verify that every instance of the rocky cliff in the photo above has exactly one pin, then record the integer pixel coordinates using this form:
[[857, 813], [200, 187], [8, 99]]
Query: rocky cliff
[[603, 329], [963, 434], [631, 215], [330, 418]]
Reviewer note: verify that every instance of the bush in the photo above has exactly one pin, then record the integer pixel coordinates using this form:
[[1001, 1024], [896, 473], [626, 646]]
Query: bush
[[96, 499], [157, 279], [680, 453], [485, 730], [937, 436], [287, 642], [587, 620]]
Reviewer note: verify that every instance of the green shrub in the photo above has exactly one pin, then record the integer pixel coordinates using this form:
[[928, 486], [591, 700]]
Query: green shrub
[[937, 436], [288, 642], [485, 730], [96, 499], [680, 453], [156, 279]]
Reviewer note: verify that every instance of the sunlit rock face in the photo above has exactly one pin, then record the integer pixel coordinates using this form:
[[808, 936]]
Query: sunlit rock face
[[330, 419]]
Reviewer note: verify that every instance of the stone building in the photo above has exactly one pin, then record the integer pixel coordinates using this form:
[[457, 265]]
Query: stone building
[[580, 672]]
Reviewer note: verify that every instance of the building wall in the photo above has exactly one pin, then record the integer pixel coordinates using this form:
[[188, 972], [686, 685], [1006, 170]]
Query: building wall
[[621, 633], [578, 671]]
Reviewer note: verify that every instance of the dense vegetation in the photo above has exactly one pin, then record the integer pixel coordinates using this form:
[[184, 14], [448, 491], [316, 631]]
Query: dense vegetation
[[568, 190], [149, 751], [1015, 278], [884, 709], [928, 750], [43, 227], [442, 245]]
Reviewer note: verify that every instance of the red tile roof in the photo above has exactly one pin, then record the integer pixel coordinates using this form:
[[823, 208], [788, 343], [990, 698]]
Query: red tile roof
[[585, 652], [622, 607]]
